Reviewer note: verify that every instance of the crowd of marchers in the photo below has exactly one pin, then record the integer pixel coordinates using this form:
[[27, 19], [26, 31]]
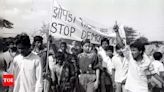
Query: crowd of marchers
[[83, 67]]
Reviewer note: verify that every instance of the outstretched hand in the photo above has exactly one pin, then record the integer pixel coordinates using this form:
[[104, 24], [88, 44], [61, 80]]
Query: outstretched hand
[[116, 27]]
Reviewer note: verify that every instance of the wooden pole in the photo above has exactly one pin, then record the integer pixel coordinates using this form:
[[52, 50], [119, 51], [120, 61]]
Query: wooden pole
[[47, 80]]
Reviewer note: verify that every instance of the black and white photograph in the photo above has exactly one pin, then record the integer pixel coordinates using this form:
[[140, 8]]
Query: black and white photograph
[[81, 45]]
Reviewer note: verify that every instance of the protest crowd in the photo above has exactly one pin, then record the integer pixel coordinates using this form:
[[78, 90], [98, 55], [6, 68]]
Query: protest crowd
[[80, 67]]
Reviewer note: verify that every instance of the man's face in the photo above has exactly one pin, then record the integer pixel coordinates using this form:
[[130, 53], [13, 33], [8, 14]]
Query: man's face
[[38, 44], [109, 53], [74, 51], [135, 52], [86, 47], [74, 43], [120, 52], [23, 50], [12, 47], [63, 47], [73, 60], [104, 45], [60, 62]]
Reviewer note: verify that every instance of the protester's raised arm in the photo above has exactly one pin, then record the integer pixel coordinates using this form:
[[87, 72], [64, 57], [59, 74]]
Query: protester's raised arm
[[118, 37]]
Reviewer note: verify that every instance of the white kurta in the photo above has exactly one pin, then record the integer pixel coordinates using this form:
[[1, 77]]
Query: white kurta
[[28, 73]]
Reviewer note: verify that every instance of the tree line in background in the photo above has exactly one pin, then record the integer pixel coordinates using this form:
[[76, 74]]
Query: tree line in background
[[131, 34]]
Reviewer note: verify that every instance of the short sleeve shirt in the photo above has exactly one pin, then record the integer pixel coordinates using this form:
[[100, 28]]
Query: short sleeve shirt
[[137, 72], [120, 64], [88, 62], [158, 66]]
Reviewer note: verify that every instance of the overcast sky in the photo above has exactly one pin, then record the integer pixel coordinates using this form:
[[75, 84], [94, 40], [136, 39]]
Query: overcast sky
[[145, 16]]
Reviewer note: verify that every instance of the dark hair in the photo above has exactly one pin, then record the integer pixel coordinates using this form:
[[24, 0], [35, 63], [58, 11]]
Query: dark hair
[[53, 47], [60, 56], [73, 48], [10, 40], [95, 50], [118, 47], [38, 38], [85, 41], [109, 48], [139, 45], [157, 55], [105, 40], [1, 45], [63, 43], [73, 57], [24, 40]]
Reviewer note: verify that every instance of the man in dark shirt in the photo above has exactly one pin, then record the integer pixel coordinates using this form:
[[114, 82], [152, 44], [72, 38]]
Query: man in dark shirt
[[63, 49]]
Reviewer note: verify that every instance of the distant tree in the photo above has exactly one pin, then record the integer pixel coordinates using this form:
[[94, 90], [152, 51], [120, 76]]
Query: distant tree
[[131, 34], [156, 42], [5, 23], [144, 40], [44, 29]]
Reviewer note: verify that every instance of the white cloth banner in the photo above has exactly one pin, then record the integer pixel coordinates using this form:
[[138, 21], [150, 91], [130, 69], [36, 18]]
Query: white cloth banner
[[67, 25]]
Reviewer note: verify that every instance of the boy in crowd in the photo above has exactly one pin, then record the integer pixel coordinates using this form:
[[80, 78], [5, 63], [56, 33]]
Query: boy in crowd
[[88, 63], [120, 69], [159, 69], [40, 51], [64, 74], [105, 52], [139, 65], [9, 55], [63, 49], [26, 67]]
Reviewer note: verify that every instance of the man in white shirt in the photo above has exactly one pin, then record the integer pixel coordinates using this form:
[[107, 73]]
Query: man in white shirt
[[139, 65], [158, 66], [27, 68], [120, 69]]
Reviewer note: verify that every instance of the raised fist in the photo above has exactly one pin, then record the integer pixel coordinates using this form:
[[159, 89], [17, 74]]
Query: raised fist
[[116, 27]]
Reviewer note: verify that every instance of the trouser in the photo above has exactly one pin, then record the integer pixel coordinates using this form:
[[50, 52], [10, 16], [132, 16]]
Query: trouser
[[105, 82], [86, 82], [106, 88], [155, 89], [46, 85], [120, 87]]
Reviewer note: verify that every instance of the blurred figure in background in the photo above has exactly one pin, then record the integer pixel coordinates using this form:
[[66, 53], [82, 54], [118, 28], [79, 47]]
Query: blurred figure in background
[[9, 55], [2, 68]]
